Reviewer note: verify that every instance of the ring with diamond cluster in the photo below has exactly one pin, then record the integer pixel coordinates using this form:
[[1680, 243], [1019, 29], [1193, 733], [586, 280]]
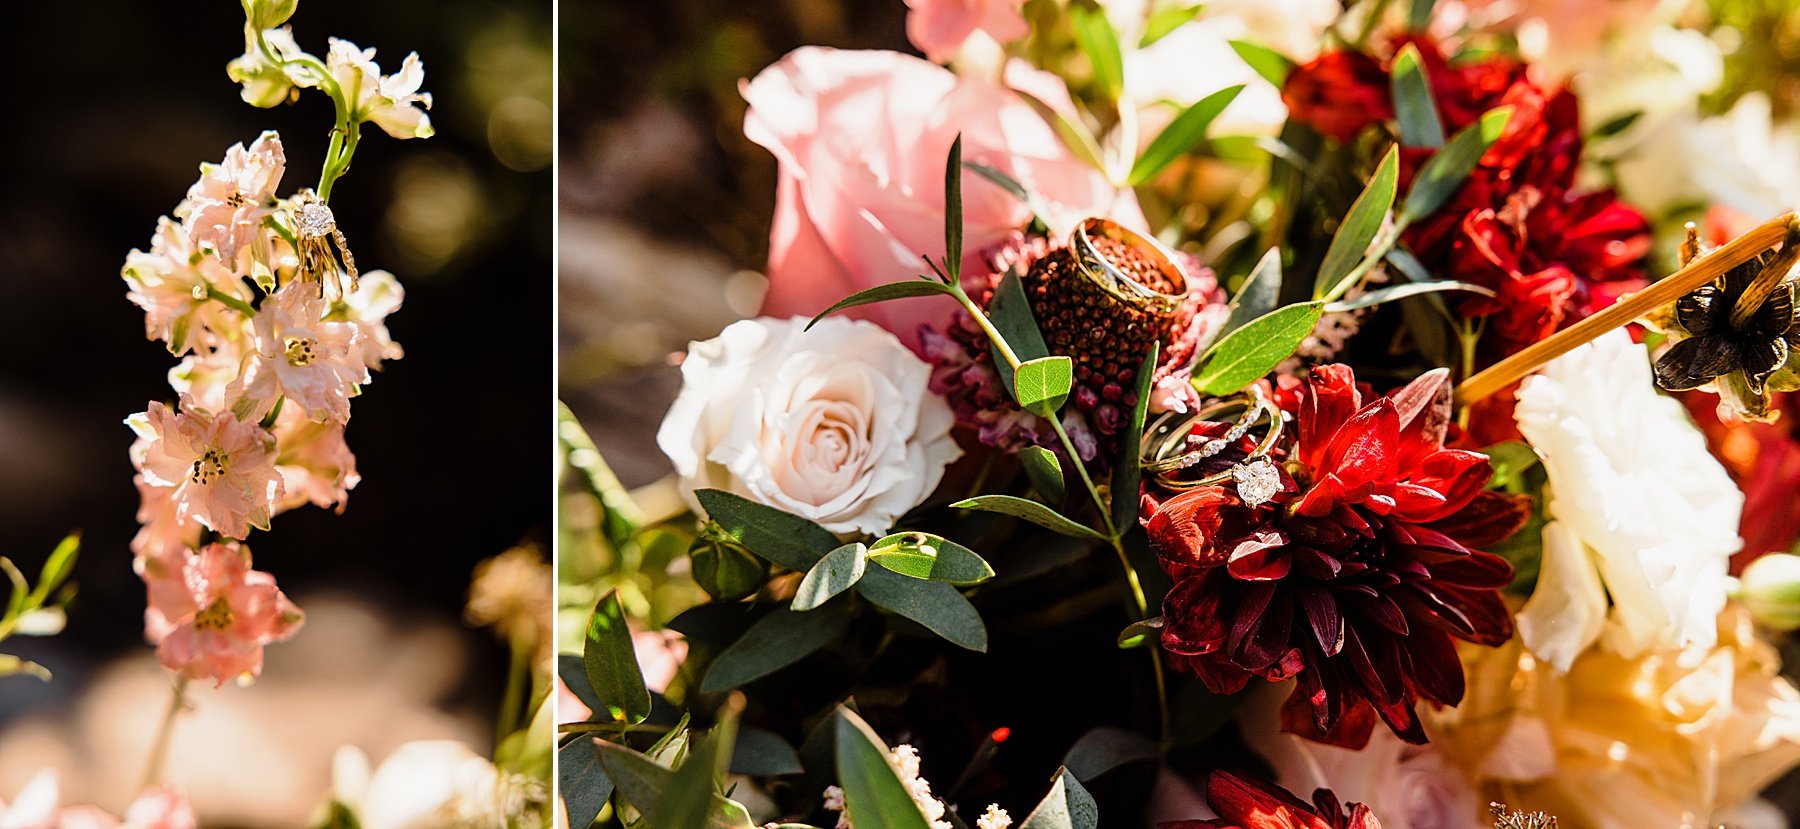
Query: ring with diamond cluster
[[315, 229], [1170, 446]]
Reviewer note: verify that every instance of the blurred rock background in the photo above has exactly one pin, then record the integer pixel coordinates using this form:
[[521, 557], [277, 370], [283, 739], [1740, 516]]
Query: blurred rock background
[[113, 106]]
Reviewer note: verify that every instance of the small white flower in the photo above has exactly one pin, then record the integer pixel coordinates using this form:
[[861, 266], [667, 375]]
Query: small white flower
[[386, 100], [994, 818], [1637, 504], [264, 74], [835, 424]]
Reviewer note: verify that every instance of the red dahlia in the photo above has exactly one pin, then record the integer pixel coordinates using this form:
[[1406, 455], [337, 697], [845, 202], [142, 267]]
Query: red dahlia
[[1357, 576], [1243, 803], [1338, 93]]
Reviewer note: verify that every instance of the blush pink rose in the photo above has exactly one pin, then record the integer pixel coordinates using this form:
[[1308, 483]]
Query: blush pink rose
[[861, 137], [940, 27]]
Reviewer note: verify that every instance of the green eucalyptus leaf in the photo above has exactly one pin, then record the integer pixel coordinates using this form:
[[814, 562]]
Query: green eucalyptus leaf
[[933, 604], [642, 783], [1031, 511], [1105, 748], [926, 556], [1182, 134], [1039, 210], [1247, 354], [1010, 313], [882, 293], [1616, 125], [1444, 173], [1127, 471], [834, 574], [1409, 265], [1045, 471], [779, 639], [1360, 224], [874, 791], [611, 663], [1258, 295], [1413, 106], [1273, 66], [1067, 806], [953, 212], [1076, 137], [573, 671], [761, 753], [582, 783], [783, 538], [1418, 15], [688, 802], [726, 571], [1167, 20], [1510, 460], [1095, 34], [1141, 633], [1042, 385], [1402, 291]]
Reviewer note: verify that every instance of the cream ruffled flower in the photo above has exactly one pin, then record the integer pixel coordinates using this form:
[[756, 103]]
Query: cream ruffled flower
[[430, 784], [222, 468], [834, 424], [1669, 738], [170, 283], [225, 208], [313, 362], [1640, 511], [386, 100]]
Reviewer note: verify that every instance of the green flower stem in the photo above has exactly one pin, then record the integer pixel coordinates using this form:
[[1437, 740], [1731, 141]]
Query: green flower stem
[[268, 421], [281, 230], [606, 728], [516, 676], [230, 301], [159, 750], [1114, 535]]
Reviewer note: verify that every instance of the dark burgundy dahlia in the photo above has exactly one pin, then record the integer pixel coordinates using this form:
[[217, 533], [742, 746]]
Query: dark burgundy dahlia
[[1359, 574], [1107, 339], [1246, 803]]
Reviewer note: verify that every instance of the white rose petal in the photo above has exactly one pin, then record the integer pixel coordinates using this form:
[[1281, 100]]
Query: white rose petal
[[1634, 485], [835, 424]]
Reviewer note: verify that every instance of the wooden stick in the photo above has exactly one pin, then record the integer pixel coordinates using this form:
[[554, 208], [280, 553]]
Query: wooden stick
[[1628, 308]]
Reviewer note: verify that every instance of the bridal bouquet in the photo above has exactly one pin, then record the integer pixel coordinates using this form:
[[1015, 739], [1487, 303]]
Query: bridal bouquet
[[1226, 415]]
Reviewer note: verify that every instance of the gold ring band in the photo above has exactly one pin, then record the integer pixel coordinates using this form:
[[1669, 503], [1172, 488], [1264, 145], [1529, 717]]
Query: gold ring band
[[1114, 280]]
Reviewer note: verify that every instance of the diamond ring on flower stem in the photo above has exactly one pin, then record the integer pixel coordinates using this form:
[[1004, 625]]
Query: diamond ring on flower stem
[[316, 229], [1252, 474], [1091, 241]]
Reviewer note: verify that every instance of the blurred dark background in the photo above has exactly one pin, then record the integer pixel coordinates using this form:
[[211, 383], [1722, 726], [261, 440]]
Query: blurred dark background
[[115, 104]]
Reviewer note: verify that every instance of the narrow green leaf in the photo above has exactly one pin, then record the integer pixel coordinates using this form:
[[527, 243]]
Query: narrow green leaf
[[1039, 210], [611, 663], [1140, 633], [1245, 355], [763, 753], [1031, 511], [834, 574], [1418, 15], [1105, 748], [1511, 460], [1094, 32], [56, 569], [1413, 106], [883, 293], [783, 538], [688, 801], [1078, 138], [953, 212], [1165, 21], [1273, 66], [934, 604], [1360, 224], [779, 639], [1444, 173], [1182, 134], [874, 792], [21, 591], [1259, 293], [1042, 385], [1409, 265], [1402, 291], [642, 782], [12, 666], [1067, 806], [1010, 312], [1127, 472], [1045, 471], [1616, 125], [926, 556], [582, 783]]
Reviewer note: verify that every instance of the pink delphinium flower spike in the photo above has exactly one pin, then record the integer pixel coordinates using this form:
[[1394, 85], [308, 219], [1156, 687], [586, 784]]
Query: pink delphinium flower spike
[[316, 364], [218, 613]]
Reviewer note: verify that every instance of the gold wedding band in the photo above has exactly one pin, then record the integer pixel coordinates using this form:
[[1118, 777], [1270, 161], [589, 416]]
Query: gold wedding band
[[1094, 264]]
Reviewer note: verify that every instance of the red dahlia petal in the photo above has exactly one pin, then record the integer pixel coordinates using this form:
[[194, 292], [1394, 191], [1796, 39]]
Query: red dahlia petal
[[1424, 407], [1254, 804], [1362, 451], [1478, 570], [1183, 528], [1263, 556], [1329, 399], [1436, 671], [1193, 617], [1323, 616], [1489, 518]]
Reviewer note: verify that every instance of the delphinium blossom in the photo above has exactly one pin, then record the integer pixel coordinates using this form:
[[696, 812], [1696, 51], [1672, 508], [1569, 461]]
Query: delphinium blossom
[[1356, 576], [210, 614], [178, 287], [222, 468], [225, 209], [299, 356], [392, 102]]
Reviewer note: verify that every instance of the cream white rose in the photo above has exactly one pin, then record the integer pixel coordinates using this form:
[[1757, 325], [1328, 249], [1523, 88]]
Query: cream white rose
[[834, 424], [1637, 505]]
